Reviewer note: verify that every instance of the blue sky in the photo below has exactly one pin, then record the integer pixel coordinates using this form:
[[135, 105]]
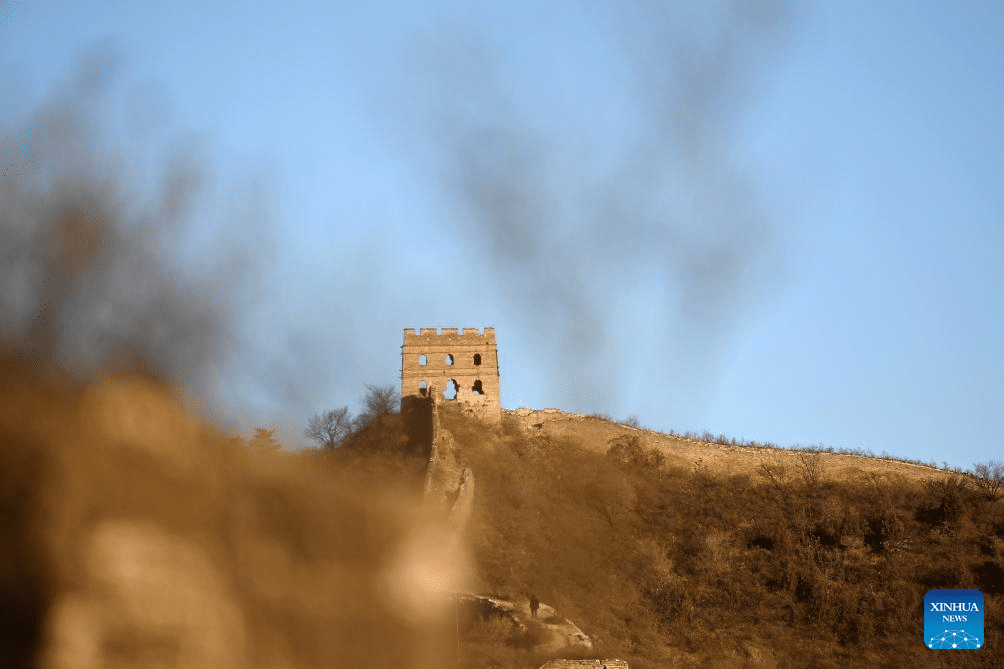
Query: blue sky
[[782, 223]]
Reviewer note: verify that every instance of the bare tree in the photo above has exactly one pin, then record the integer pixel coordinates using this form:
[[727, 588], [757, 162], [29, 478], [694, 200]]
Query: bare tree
[[775, 470], [330, 428], [379, 401], [811, 464], [989, 477]]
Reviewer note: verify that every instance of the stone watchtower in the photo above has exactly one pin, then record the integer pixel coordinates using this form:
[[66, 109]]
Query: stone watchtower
[[463, 367]]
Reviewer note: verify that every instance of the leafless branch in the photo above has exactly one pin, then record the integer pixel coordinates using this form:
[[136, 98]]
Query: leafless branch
[[989, 477], [811, 464], [329, 428]]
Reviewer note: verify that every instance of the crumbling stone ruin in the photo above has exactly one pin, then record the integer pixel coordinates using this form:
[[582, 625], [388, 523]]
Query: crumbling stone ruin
[[466, 364], [463, 366]]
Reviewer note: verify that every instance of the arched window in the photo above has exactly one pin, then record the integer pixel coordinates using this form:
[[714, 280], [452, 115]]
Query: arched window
[[477, 389], [423, 388], [422, 359], [451, 390], [449, 358], [477, 358]]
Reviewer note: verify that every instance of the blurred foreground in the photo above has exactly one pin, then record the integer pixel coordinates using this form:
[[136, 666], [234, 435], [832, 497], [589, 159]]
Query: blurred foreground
[[137, 537], [136, 533]]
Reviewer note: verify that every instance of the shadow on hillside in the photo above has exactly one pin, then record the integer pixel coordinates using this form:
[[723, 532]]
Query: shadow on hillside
[[416, 417]]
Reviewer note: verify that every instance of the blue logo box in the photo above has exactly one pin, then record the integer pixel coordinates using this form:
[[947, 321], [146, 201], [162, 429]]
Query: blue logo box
[[953, 619]]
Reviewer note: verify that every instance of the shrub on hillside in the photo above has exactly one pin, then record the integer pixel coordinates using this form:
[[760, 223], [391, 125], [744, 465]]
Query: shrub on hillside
[[993, 519], [670, 599], [628, 451], [941, 574], [945, 503], [990, 578], [851, 624], [883, 528]]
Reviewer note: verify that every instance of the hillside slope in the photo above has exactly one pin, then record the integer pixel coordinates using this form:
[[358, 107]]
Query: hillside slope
[[698, 560]]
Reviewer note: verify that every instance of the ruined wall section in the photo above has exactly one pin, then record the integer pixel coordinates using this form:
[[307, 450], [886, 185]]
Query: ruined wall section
[[462, 364], [430, 470], [444, 475], [448, 485]]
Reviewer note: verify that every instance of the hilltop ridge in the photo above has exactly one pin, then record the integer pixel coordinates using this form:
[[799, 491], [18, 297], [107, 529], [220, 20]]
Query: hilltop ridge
[[720, 457]]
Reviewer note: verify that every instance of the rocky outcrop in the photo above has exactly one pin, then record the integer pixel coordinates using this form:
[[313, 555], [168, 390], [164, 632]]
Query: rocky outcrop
[[562, 635]]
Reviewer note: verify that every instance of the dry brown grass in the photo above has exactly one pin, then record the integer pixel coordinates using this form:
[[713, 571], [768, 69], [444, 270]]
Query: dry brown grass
[[595, 434], [709, 560]]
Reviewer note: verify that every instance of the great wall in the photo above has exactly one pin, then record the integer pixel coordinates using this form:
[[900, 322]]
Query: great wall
[[468, 361], [595, 433], [463, 365]]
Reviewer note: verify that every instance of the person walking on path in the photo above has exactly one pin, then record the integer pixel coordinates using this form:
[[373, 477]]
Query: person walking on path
[[534, 605]]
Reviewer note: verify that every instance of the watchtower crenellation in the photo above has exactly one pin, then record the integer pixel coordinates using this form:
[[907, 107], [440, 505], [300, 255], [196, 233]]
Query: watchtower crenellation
[[462, 364]]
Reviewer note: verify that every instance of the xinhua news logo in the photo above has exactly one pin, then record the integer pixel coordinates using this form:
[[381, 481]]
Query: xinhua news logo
[[953, 619]]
